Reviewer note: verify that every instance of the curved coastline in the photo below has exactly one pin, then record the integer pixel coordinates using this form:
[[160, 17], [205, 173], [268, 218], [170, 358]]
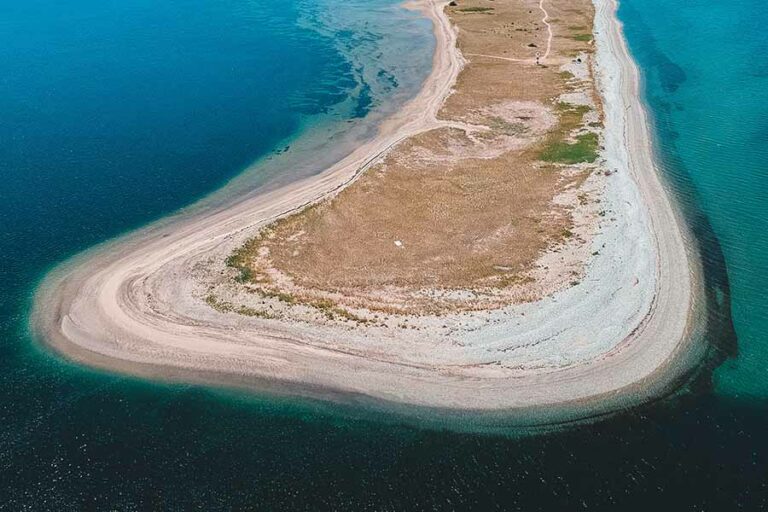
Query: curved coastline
[[88, 310]]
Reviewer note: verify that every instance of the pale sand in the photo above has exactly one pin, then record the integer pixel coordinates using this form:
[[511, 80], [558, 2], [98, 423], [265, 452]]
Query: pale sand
[[629, 331]]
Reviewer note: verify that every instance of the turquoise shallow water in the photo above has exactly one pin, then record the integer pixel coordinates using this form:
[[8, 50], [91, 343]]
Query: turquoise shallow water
[[117, 113], [708, 85]]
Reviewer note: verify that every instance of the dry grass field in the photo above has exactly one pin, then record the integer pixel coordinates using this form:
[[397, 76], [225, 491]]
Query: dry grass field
[[457, 217]]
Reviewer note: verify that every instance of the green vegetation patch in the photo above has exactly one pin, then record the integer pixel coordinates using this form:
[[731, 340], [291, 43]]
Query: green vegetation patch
[[572, 114], [332, 311], [584, 150], [227, 307], [246, 311], [240, 259], [476, 9], [559, 149], [275, 294], [584, 38]]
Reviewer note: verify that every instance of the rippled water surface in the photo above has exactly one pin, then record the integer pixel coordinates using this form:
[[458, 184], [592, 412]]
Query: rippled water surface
[[116, 113]]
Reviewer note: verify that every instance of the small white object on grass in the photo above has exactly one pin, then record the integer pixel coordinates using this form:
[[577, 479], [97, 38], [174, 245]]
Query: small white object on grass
[[398, 243]]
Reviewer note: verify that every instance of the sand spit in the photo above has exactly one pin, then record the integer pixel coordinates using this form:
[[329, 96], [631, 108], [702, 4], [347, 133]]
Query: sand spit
[[625, 332]]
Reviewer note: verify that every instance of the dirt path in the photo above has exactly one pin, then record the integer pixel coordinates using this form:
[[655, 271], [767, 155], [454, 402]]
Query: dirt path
[[545, 20]]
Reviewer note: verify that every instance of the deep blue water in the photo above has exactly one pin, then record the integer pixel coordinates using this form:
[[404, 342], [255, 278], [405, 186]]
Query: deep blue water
[[116, 113]]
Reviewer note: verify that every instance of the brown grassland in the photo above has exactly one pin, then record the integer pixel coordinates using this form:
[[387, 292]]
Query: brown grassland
[[466, 207]]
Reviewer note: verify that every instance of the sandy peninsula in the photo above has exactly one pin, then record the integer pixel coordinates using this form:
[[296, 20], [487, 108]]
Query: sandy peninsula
[[503, 251]]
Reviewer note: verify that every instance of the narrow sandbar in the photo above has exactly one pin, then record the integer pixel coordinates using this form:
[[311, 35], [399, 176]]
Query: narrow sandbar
[[626, 331]]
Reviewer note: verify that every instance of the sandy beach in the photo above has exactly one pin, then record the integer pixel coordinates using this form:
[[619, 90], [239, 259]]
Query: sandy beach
[[628, 331]]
